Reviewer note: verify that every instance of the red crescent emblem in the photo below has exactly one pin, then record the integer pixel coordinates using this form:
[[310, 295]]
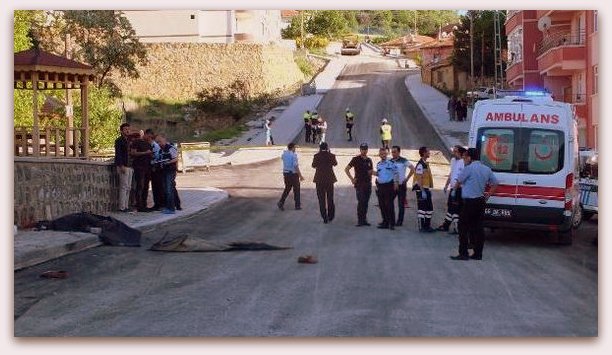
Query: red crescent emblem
[[540, 156], [491, 145]]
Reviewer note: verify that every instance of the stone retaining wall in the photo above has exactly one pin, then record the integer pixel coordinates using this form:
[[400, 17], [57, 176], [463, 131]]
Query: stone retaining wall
[[177, 71], [51, 188]]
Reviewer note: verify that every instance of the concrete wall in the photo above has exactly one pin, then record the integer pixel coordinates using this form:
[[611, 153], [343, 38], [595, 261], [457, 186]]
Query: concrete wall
[[177, 71], [51, 188]]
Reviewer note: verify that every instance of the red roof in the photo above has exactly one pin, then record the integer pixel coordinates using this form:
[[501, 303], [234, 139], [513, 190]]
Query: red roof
[[36, 57], [445, 42], [289, 13]]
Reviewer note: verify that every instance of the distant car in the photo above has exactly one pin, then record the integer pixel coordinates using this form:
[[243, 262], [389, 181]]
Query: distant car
[[588, 184], [481, 93]]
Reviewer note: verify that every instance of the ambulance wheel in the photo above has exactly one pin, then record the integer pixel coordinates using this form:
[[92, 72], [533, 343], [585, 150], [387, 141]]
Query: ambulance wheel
[[587, 215], [565, 238]]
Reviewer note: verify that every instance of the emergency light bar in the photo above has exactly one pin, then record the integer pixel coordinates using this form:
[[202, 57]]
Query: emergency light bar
[[523, 93]]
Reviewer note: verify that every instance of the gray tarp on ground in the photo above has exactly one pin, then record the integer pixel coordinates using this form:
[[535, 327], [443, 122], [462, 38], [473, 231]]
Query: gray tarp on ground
[[185, 243], [114, 232]]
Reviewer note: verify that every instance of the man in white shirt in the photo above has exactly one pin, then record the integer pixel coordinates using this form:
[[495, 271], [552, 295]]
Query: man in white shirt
[[403, 166], [454, 202]]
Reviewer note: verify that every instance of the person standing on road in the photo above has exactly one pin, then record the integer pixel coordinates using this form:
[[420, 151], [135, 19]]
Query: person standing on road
[[362, 181], [268, 128], [157, 175], [291, 176], [168, 163], [385, 133], [123, 169], [349, 118], [451, 107], [473, 180], [454, 201], [422, 183], [142, 153], [307, 125], [322, 128], [324, 178], [402, 165], [314, 125], [459, 110], [387, 184]]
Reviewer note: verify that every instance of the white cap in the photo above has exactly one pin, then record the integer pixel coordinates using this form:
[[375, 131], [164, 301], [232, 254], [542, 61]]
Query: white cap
[[347, 109], [384, 120]]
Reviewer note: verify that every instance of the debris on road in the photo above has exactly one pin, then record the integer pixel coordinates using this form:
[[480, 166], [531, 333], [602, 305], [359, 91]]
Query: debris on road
[[111, 231], [52, 274], [184, 243], [307, 259]]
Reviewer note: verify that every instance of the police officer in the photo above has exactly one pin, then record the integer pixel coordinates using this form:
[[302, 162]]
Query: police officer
[[362, 181], [454, 201], [385, 133], [403, 165], [423, 181], [168, 163], [314, 126], [387, 183], [349, 118], [307, 125], [291, 177]]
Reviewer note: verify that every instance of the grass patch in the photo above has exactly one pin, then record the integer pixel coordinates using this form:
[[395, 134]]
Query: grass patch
[[224, 133]]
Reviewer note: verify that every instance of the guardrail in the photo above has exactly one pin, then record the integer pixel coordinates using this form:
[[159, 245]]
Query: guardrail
[[560, 39], [54, 142]]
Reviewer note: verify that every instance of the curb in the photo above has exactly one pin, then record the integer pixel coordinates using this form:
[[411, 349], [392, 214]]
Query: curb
[[442, 136]]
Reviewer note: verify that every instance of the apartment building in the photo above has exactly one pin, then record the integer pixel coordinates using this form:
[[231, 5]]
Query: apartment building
[[558, 50]]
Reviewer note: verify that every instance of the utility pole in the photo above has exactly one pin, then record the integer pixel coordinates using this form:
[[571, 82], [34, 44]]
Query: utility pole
[[302, 29], [471, 48], [499, 65], [69, 106], [415, 22]]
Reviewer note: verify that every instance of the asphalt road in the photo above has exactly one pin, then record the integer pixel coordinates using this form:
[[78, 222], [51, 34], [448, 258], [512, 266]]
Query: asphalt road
[[368, 282]]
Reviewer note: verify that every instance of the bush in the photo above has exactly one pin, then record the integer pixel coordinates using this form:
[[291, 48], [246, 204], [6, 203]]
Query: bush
[[312, 42], [305, 66], [379, 40], [104, 118]]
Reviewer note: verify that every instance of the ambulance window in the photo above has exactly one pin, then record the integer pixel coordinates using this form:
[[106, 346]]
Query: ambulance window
[[497, 148], [545, 151]]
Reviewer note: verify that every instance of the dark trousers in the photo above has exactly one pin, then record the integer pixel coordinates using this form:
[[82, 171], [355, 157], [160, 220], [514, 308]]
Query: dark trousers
[[363, 197], [308, 132], [453, 205], [424, 208], [292, 181], [177, 200], [470, 224], [385, 202], [401, 199], [325, 194], [157, 185], [349, 131], [170, 189], [143, 177]]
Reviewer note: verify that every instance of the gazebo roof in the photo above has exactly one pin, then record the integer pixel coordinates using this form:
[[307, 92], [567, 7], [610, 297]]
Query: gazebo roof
[[36, 60]]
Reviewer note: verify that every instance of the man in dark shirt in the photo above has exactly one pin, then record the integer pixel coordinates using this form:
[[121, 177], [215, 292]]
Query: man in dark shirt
[[123, 169], [362, 181], [141, 153], [324, 178]]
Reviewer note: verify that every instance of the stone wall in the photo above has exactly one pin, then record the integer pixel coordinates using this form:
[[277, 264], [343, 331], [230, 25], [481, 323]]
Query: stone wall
[[51, 188], [177, 71]]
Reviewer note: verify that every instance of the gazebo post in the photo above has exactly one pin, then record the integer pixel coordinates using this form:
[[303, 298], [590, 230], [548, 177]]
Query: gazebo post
[[36, 130], [85, 114]]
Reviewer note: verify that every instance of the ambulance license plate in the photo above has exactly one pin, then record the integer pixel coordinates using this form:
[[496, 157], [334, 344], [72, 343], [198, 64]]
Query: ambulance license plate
[[498, 212]]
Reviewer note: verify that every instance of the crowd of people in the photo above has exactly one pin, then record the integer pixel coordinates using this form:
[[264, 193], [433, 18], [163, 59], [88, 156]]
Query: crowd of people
[[469, 185], [145, 159], [457, 108], [315, 127]]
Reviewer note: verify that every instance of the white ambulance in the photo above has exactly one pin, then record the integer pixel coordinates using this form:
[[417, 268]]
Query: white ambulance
[[531, 144]]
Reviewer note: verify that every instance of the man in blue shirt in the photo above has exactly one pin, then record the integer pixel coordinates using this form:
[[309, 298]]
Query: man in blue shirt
[[387, 183], [292, 177], [473, 181], [157, 174], [403, 165]]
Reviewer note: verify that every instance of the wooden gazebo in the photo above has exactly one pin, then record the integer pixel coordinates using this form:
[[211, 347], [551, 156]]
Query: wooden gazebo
[[37, 70]]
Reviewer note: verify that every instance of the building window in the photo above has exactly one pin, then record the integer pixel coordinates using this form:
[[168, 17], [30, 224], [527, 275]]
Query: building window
[[595, 80], [192, 17], [595, 21]]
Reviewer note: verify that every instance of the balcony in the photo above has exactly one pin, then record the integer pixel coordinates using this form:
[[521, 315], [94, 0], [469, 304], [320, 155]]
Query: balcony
[[515, 74], [513, 20], [561, 53]]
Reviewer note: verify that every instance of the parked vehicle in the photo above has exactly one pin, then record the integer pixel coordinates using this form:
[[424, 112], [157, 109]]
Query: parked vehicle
[[481, 93], [531, 143]]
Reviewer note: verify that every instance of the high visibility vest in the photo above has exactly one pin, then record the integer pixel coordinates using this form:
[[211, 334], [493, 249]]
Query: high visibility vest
[[427, 176], [385, 132], [349, 117], [306, 117]]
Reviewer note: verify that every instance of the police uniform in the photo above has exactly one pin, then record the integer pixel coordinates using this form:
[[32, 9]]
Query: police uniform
[[385, 134], [349, 117], [403, 165], [363, 185], [169, 152], [307, 117], [454, 201], [386, 176], [423, 194]]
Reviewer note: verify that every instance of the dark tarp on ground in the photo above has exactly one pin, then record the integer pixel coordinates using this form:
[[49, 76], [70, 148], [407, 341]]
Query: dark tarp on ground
[[114, 232], [184, 243]]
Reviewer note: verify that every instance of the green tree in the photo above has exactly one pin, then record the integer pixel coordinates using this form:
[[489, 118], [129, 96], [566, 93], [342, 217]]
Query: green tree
[[22, 99], [327, 23], [104, 117]]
